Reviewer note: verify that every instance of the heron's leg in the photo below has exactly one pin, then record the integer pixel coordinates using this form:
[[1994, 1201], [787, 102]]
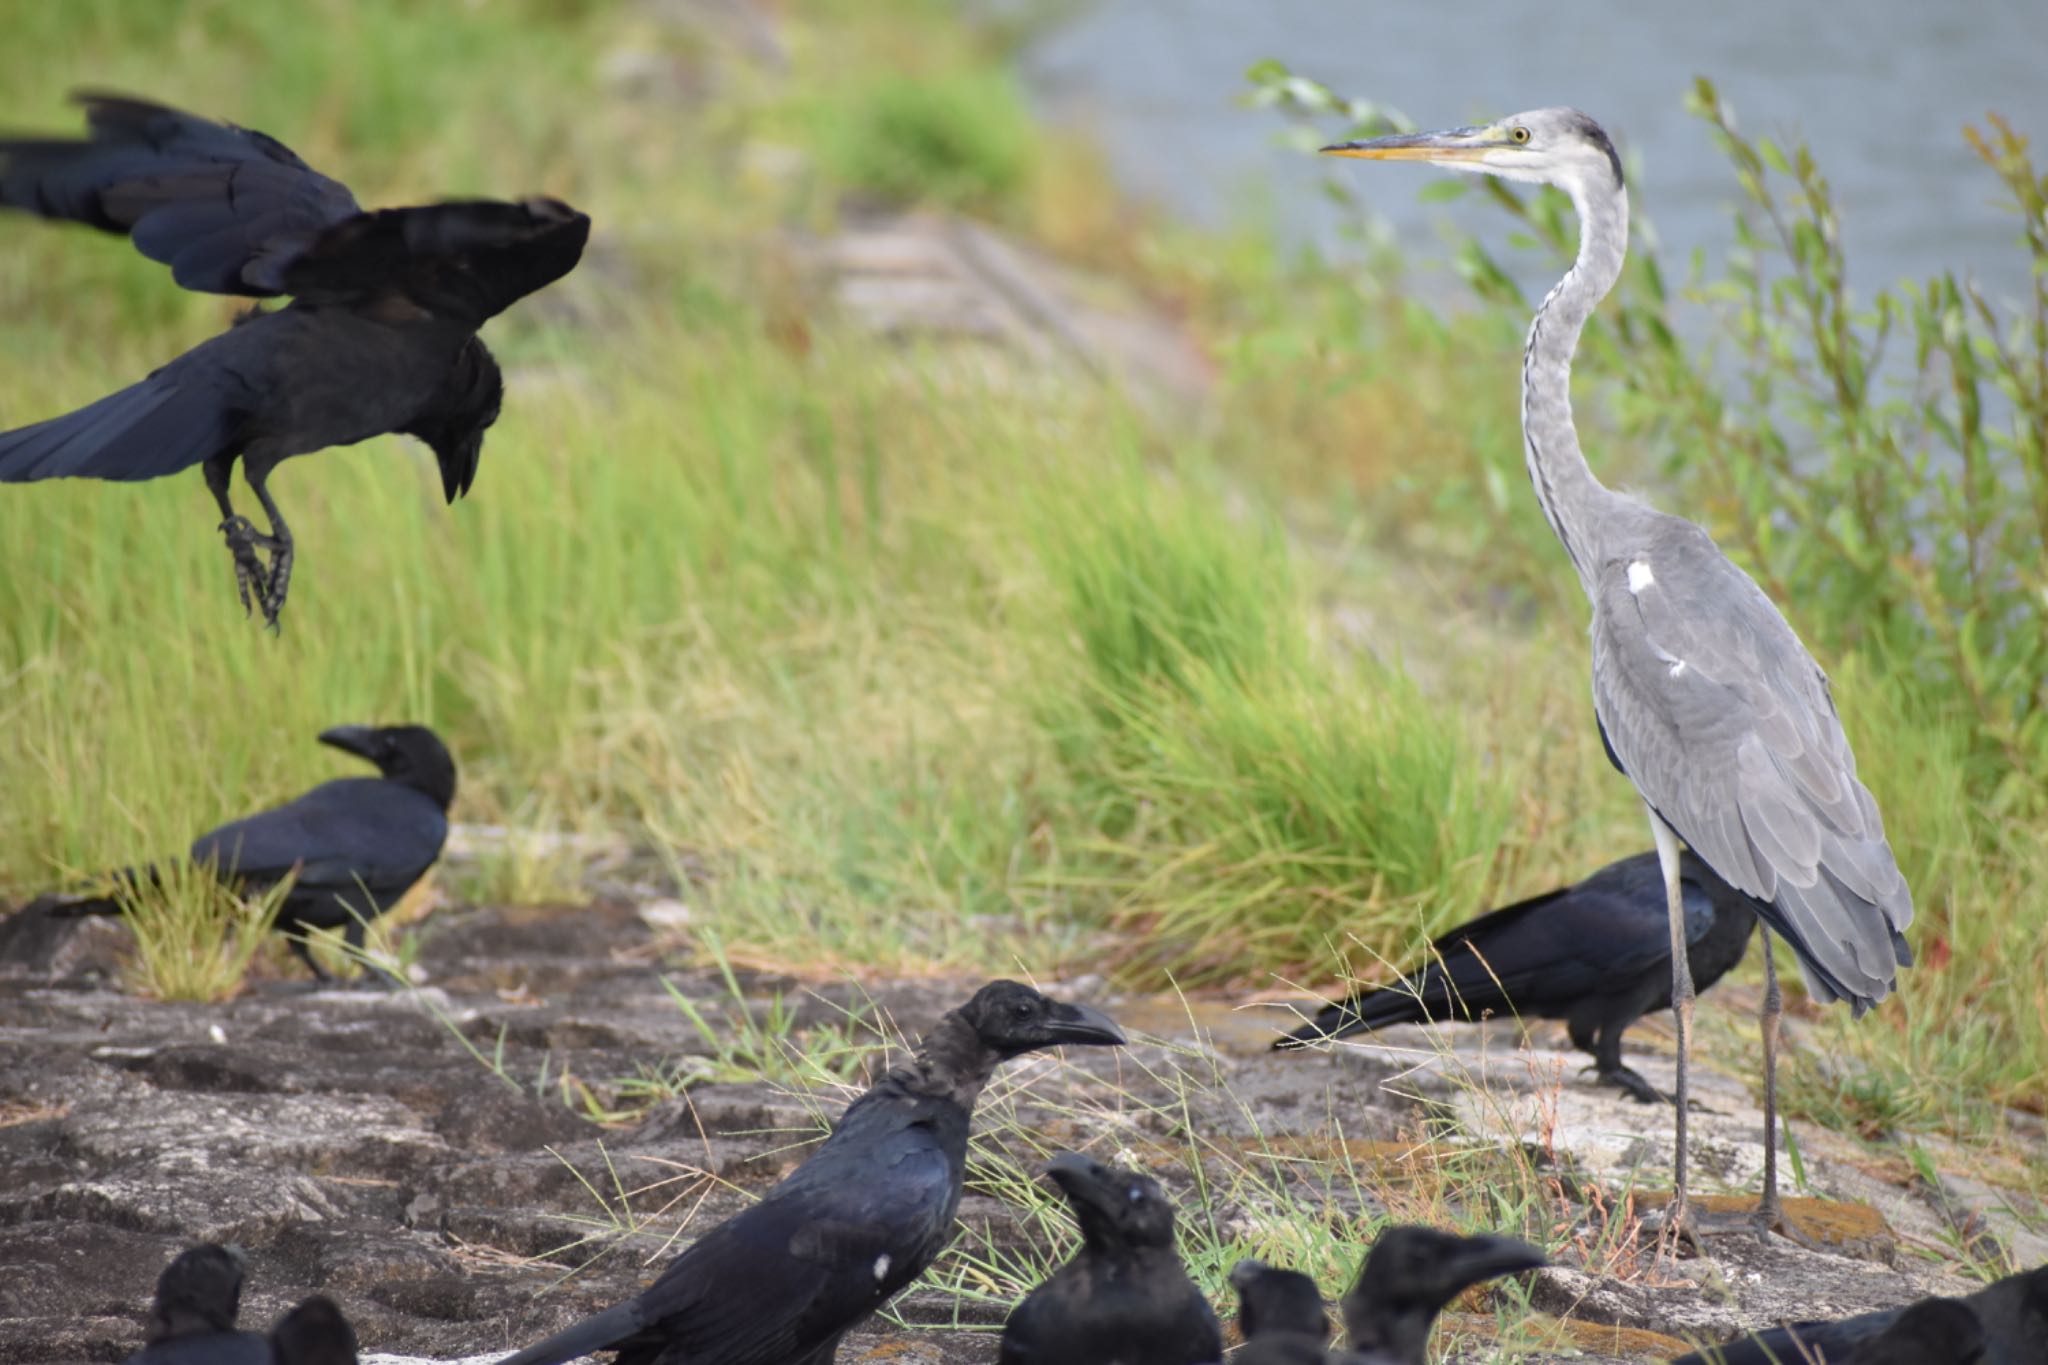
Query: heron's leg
[[1770, 1214], [1678, 1223], [279, 543], [242, 536]]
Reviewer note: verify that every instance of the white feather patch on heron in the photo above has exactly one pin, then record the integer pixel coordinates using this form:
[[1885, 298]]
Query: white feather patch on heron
[[882, 1266], [1677, 668], [1639, 576]]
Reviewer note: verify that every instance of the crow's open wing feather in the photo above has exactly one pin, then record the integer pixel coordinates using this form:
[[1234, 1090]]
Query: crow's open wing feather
[[218, 204]]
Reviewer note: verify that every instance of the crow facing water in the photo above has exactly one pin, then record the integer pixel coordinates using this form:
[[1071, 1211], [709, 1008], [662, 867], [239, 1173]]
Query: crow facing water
[[783, 1281], [357, 844], [1124, 1298], [380, 335], [1596, 954]]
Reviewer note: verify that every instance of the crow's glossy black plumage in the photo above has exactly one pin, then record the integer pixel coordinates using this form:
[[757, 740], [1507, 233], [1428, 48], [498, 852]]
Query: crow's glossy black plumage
[[1596, 954], [2011, 1318], [1409, 1277], [1280, 1316], [1124, 1298], [192, 1317], [380, 335], [357, 844], [314, 1333], [783, 1281]]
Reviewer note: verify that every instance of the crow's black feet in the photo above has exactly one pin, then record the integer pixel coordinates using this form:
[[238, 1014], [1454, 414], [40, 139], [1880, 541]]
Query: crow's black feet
[[1631, 1083], [265, 586], [243, 538]]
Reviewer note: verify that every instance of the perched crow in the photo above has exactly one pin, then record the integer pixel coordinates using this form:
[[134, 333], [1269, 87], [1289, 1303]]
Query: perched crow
[[314, 1333], [2011, 1318], [192, 1318], [1125, 1298], [1280, 1316], [380, 335], [783, 1281], [1408, 1278], [1597, 955], [357, 843], [1931, 1332]]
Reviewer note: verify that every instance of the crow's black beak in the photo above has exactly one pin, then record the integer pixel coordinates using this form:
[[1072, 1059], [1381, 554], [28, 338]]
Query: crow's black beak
[[1083, 1024], [1082, 1179], [1485, 1258], [360, 740]]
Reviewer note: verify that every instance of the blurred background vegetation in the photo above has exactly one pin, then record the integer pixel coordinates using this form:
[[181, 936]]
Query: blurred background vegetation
[[919, 655]]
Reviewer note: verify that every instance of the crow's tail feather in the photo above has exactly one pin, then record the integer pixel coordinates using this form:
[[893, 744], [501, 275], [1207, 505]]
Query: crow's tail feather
[[162, 425]]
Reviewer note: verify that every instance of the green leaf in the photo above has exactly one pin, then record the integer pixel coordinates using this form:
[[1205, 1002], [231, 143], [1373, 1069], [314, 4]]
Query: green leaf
[[1442, 191]]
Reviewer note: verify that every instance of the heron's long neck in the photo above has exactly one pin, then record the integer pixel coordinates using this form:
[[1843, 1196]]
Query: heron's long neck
[[1573, 500]]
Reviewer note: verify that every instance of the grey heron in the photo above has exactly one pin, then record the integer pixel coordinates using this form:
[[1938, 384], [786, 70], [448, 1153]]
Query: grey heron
[[1705, 698]]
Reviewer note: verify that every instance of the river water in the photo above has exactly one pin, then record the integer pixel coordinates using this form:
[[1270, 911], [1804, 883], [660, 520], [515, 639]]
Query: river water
[[1880, 89]]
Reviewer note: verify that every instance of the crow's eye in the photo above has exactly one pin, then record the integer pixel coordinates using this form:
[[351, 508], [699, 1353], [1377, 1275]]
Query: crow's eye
[[1519, 134], [1137, 1194], [1022, 1009]]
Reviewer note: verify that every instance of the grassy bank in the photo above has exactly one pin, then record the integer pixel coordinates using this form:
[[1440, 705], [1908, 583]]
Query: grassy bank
[[912, 663]]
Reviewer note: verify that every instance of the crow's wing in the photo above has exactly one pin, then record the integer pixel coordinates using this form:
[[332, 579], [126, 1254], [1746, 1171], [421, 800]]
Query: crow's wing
[[218, 204], [847, 1230], [465, 261], [1536, 957], [190, 411], [1724, 722], [348, 832]]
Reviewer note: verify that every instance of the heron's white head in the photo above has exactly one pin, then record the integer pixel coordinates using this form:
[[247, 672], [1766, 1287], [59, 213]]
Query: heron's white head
[[1559, 147]]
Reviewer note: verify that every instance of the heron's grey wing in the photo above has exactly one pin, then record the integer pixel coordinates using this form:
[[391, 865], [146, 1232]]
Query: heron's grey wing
[[1724, 722]]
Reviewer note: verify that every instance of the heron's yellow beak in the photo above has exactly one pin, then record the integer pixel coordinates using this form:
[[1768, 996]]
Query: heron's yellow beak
[[1459, 144]]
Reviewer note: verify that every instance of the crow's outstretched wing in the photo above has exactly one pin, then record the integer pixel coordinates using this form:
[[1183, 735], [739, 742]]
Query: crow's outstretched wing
[[220, 205], [465, 261], [187, 412]]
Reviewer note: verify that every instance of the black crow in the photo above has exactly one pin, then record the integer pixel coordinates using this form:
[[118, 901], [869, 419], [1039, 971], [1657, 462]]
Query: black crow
[[1410, 1276], [314, 1333], [192, 1318], [1280, 1316], [783, 1281], [357, 843], [380, 335], [2011, 1317], [1597, 955], [1124, 1298]]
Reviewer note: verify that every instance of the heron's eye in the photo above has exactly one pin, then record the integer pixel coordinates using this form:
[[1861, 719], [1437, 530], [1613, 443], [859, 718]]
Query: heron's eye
[[1519, 134]]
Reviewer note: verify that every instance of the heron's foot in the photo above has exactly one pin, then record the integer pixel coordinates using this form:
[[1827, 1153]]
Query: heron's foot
[[1677, 1232], [1769, 1217], [243, 540]]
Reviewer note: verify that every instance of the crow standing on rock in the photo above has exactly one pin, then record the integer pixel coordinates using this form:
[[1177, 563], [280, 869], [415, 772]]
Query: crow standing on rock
[[1280, 1316], [1596, 954], [356, 844], [2010, 1321], [782, 1282], [1409, 1277], [1125, 1298], [192, 1317], [380, 335]]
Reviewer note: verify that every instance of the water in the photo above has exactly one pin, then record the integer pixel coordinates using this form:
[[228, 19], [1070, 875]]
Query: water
[[1879, 88]]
